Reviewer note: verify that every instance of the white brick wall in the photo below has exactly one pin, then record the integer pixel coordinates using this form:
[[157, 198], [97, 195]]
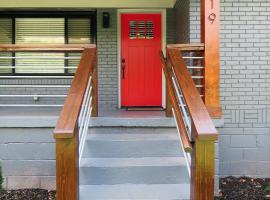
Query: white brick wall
[[245, 93], [107, 61]]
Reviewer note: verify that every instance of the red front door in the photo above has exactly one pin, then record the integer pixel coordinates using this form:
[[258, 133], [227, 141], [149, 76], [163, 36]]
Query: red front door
[[141, 71]]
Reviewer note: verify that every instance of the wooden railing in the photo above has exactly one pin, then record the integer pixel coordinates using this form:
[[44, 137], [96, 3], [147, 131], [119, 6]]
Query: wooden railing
[[72, 126], [197, 131], [194, 57], [22, 71]]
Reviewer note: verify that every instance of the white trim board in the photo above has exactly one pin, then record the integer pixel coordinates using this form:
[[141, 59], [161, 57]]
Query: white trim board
[[88, 4], [164, 41]]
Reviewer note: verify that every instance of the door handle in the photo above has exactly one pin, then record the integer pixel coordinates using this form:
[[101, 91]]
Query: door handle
[[123, 67]]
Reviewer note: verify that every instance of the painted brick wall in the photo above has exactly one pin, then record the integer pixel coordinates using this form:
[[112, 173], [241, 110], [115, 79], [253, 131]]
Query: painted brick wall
[[27, 156], [107, 61], [171, 28], [245, 94], [182, 21]]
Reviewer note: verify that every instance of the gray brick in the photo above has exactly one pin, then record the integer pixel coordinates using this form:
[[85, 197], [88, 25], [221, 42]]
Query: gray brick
[[48, 183], [28, 168], [243, 141], [23, 182]]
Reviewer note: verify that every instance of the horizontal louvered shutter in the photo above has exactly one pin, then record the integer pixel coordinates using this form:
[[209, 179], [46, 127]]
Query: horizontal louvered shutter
[[40, 31], [5, 38], [79, 32]]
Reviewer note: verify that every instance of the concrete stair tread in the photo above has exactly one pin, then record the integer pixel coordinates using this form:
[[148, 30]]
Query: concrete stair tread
[[129, 149], [135, 192], [133, 162], [133, 175], [132, 134], [139, 121]]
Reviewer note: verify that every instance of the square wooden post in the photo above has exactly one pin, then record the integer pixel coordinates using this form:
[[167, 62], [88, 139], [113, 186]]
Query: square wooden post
[[95, 89], [203, 170], [210, 25], [168, 112], [67, 168]]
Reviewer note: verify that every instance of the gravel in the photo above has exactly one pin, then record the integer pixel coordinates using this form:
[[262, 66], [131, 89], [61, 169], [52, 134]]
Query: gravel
[[231, 188]]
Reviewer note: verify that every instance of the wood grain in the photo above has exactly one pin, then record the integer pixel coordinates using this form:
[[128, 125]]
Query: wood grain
[[210, 37], [174, 103], [95, 89], [203, 170], [44, 47], [66, 131], [187, 47], [67, 122], [205, 129], [67, 168]]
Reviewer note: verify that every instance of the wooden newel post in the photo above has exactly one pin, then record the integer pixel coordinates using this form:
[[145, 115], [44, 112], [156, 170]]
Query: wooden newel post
[[210, 25], [203, 170], [95, 89], [168, 112], [67, 168]]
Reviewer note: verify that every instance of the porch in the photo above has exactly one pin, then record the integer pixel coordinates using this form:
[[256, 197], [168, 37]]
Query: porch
[[90, 96]]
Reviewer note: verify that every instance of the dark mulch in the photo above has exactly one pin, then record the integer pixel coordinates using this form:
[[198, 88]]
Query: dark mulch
[[243, 188], [29, 194], [232, 188]]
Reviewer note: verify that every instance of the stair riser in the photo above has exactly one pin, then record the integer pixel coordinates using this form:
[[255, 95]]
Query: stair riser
[[136, 192], [135, 149], [133, 175]]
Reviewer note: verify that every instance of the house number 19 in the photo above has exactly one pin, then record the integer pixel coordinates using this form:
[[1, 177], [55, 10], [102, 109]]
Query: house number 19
[[212, 17]]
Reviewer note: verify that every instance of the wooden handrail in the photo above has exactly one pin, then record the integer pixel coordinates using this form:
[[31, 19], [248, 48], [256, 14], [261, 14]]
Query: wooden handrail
[[67, 122], [187, 47], [179, 120], [201, 120], [44, 47], [203, 131], [66, 132]]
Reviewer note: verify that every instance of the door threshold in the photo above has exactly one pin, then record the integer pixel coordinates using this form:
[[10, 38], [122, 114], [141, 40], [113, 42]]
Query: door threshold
[[144, 108]]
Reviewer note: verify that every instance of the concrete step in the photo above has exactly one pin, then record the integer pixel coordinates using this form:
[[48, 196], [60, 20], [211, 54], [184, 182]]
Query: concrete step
[[132, 134], [129, 149], [133, 163], [135, 192], [132, 121], [133, 175]]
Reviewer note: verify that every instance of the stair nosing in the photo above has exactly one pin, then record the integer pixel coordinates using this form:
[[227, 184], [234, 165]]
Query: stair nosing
[[133, 162]]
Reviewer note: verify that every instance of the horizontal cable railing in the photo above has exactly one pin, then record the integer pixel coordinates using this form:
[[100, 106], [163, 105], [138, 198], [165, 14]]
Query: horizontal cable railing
[[195, 127], [72, 126], [37, 75], [193, 55]]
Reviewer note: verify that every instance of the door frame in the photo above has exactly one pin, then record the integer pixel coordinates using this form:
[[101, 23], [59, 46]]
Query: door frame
[[164, 36]]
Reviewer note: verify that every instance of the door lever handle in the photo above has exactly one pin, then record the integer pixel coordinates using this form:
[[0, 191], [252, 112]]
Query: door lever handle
[[123, 66]]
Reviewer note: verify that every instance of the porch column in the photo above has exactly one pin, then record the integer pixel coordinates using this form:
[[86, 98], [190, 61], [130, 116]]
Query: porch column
[[210, 25]]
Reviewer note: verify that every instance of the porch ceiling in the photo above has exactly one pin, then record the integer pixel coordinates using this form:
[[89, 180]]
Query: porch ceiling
[[87, 4]]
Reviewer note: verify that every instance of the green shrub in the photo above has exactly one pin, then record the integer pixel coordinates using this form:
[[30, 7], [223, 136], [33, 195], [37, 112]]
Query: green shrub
[[1, 178], [267, 188]]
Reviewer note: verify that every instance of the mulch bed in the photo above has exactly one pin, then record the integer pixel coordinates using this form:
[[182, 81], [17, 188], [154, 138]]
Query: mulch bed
[[232, 188], [27, 194], [243, 188]]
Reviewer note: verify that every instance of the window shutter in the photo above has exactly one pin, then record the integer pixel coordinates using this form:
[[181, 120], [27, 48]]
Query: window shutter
[[5, 38], [79, 32], [40, 31]]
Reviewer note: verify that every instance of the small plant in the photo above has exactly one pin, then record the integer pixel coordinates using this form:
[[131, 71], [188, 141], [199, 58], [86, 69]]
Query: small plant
[[1, 178], [267, 188]]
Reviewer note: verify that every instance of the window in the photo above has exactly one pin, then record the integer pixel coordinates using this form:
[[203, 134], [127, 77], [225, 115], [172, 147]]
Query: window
[[78, 33], [57, 28], [5, 38], [141, 30]]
